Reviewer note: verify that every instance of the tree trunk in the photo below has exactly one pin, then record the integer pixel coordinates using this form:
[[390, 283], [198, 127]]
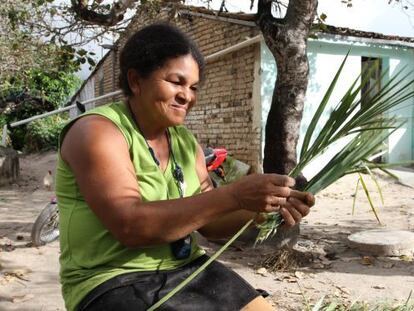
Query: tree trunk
[[287, 40]]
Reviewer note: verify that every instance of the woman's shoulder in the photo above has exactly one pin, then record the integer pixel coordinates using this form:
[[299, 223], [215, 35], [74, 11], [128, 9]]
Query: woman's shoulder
[[100, 120], [111, 110], [184, 136], [183, 132]]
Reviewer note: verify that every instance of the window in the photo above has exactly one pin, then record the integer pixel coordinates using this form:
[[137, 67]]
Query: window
[[370, 72]]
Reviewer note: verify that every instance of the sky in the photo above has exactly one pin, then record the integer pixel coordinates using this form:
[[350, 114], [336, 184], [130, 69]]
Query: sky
[[370, 15], [366, 15]]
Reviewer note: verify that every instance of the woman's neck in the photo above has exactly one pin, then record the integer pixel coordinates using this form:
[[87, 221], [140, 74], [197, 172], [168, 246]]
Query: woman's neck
[[149, 129]]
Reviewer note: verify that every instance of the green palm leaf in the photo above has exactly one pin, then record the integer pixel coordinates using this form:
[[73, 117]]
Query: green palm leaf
[[321, 108], [355, 196], [376, 183], [365, 126], [364, 186]]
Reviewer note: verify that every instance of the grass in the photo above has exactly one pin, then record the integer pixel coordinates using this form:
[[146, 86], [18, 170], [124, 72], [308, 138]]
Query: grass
[[337, 305], [332, 304]]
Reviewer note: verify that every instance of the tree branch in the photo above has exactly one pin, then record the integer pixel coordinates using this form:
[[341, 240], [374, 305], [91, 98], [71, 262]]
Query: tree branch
[[264, 12], [113, 17], [301, 14]]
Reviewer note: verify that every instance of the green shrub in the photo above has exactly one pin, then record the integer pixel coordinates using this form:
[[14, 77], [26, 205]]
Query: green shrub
[[38, 93], [43, 134]]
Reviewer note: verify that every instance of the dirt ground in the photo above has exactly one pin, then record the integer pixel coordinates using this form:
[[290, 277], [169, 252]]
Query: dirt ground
[[29, 275]]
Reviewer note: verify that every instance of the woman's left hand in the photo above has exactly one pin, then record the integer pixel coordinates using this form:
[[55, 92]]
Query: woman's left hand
[[297, 206]]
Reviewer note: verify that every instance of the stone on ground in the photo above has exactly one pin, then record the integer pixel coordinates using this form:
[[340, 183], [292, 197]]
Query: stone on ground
[[383, 242]]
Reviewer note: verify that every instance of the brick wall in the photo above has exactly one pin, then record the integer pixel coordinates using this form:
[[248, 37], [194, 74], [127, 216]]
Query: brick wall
[[226, 114]]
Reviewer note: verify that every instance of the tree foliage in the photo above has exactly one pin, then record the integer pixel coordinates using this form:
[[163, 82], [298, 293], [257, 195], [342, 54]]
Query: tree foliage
[[47, 34], [20, 48], [43, 134], [39, 91]]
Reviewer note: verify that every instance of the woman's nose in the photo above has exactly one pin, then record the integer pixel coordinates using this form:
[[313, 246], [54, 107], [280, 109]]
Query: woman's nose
[[184, 96]]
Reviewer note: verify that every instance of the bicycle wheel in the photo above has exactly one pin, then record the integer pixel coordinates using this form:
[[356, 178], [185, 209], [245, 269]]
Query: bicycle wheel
[[46, 227]]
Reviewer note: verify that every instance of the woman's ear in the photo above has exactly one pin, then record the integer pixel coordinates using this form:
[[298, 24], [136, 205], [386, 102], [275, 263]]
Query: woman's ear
[[133, 81]]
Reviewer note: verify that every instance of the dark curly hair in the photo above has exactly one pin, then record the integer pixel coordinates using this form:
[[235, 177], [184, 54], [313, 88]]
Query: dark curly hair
[[151, 47]]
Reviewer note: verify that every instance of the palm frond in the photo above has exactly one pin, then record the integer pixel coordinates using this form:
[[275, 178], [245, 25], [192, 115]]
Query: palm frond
[[366, 127], [355, 195], [319, 304], [374, 179], [371, 204], [382, 167], [320, 109], [269, 227], [389, 173]]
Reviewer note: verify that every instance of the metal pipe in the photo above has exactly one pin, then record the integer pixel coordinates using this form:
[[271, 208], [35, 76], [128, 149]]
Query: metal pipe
[[50, 113], [101, 97], [46, 114], [4, 135], [233, 48]]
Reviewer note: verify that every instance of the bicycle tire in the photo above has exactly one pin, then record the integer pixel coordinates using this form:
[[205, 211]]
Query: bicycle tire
[[45, 229]]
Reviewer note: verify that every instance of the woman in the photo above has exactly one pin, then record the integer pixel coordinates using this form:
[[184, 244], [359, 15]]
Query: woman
[[133, 187]]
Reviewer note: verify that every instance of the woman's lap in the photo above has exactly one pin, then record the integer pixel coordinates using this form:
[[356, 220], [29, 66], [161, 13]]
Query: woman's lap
[[217, 288]]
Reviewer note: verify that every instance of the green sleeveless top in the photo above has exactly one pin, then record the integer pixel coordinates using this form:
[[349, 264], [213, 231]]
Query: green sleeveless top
[[90, 255]]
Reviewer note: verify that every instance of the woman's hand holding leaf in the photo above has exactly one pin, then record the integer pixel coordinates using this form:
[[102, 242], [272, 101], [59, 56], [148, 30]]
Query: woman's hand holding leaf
[[297, 206], [262, 192]]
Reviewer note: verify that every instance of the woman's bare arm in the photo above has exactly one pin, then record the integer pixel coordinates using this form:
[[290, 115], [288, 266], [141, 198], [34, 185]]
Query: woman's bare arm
[[296, 207], [227, 224], [97, 153]]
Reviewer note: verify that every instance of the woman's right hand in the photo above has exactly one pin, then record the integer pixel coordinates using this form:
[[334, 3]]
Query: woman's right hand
[[262, 192]]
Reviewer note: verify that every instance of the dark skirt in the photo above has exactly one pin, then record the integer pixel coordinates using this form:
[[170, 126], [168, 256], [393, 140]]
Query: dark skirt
[[217, 288]]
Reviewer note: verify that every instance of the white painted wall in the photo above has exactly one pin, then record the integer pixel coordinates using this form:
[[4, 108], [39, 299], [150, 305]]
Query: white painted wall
[[87, 92], [325, 57]]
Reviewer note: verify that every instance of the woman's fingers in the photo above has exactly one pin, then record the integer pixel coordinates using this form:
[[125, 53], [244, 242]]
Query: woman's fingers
[[271, 208], [294, 211], [310, 199], [299, 206], [281, 180], [305, 197], [261, 192], [267, 192], [287, 217], [275, 200]]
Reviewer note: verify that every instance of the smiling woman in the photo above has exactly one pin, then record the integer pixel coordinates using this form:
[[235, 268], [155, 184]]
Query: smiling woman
[[165, 97], [132, 188]]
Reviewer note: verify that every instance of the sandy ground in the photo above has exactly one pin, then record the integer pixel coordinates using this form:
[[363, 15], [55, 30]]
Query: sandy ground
[[29, 275]]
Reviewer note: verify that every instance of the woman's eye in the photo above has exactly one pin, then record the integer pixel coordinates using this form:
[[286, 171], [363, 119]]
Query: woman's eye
[[194, 88]]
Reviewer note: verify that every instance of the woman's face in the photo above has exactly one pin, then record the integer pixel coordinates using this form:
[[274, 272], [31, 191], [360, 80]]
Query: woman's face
[[169, 92]]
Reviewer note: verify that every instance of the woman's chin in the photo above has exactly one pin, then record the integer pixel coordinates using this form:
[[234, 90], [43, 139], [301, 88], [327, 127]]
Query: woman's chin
[[177, 119], [176, 122]]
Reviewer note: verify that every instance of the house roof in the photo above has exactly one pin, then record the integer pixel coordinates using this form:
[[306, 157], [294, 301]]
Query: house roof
[[249, 20], [329, 29]]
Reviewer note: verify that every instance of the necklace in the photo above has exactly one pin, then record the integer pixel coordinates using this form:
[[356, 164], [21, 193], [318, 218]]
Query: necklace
[[181, 249]]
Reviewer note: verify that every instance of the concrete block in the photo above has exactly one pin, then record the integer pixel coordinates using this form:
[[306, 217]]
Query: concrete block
[[9, 165]]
